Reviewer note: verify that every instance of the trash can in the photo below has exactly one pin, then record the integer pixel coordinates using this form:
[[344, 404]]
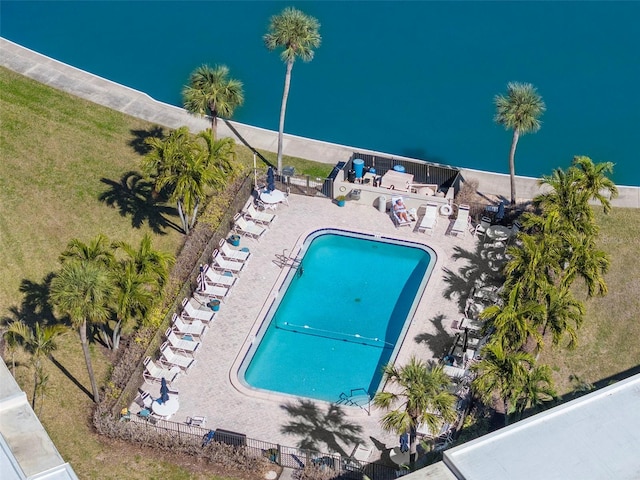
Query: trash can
[[358, 166], [234, 240], [351, 176], [399, 168], [382, 203]]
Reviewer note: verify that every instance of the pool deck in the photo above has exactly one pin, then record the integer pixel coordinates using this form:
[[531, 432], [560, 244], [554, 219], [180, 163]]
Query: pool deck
[[208, 388]]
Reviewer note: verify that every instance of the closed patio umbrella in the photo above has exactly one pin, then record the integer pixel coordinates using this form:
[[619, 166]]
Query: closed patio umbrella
[[164, 390], [271, 181]]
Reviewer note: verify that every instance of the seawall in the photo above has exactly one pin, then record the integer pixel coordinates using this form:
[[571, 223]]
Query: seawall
[[140, 105]]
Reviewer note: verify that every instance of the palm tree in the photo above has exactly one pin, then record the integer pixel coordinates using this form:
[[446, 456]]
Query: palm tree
[[530, 266], [182, 166], [221, 153], [140, 276], [297, 34], [563, 315], [515, 321], [83, 290], [39, 342], [585, 260], [148, 261], [98, 250], [537, 388], [418, 395], [592, 178], [210, 90], [520, 111], [502, 373]]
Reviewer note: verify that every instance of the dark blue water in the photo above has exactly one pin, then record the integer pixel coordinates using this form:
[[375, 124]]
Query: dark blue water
[[409, 78], [336, 326]]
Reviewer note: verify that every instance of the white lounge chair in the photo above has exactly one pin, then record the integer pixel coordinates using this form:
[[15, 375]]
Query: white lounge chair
[[430, 219], [154, 373], [361, 452], [181, 344], [397, 219], [196, 329], [225, 279], [222, 264], [259, 217], [214, 291], [170, 358], [191, 313], [461, 225], [231, 254], [247, 228]]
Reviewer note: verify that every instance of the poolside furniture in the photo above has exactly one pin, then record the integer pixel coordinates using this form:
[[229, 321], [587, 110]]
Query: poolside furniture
[[144, 399], [247, 228], [273, 197], [397, 219], [183, 345], [196, 329], [430, 219], [225, 279], [170, 358], [231, 254], [190, 313], [461, 225], [259, 217], [222, 264], [498, 233], [197, 421], [361, 452], [154, 373], [165, 410], [482, 227], [214, 291]]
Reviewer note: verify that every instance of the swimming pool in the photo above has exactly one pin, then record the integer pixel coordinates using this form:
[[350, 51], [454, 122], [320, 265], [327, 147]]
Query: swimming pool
[[340, 316]]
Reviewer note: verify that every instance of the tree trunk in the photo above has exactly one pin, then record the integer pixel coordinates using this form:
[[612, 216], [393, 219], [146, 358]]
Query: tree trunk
[[116, 335], [82, 330], [214, 120], [512, 165], [35, 385], [181, 214], [413, 448], [195, 213], [283, 110]]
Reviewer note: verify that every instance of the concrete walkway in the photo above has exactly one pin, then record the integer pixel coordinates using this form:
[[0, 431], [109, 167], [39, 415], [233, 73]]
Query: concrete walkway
[[140, 105]]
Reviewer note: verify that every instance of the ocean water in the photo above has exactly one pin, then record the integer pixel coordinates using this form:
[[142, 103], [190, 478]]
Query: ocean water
[[408, 77]]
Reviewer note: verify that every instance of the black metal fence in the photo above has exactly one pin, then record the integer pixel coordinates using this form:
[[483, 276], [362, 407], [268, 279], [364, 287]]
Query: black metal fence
[[284, 456], [423, 172]]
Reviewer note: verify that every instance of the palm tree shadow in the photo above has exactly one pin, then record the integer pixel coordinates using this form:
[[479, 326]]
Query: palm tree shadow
[[71, 377], [133, 196], [483, 266], [440, 342], [246, 143], [315, 427], [35, 306], [139, 140]]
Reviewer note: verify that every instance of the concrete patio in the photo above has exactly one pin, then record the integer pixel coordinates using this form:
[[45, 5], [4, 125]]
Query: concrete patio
[[208, 389]]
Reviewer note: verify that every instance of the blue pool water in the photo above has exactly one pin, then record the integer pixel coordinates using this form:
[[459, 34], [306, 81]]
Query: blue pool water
[[407, 78], [340, 318]]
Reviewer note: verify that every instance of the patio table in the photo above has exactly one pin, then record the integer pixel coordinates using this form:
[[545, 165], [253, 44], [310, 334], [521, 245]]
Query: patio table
[[498, 232]]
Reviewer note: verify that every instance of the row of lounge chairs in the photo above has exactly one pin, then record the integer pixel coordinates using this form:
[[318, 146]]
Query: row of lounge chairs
[[188, 329]]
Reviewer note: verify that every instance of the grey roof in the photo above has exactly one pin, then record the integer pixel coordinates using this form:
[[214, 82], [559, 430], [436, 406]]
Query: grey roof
[[26, 451], [596, 436]]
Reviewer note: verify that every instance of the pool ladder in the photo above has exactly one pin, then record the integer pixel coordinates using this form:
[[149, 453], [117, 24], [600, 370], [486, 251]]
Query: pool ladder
[[284, 260]]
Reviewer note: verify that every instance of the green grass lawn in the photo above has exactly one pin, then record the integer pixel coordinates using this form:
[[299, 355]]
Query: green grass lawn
[[60, 154]]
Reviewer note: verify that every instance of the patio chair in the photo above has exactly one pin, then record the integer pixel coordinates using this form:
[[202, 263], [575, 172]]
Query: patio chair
[[183, 345], [362, 453], [485, 223], [154, 373], [225, 279], [397, 212], [143, 399], [430, 219], [247, 228], [222, 264], [259, 217], [214, 291], [231, 254], [190, 313], [198, 421], [461, 225], [170, 358], [196, 329]]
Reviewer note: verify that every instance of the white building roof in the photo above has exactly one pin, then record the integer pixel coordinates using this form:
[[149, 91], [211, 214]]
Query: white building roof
[[26, 451], [596, 436]]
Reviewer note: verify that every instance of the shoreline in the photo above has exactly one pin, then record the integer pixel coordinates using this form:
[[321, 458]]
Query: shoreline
[[138, 104]]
